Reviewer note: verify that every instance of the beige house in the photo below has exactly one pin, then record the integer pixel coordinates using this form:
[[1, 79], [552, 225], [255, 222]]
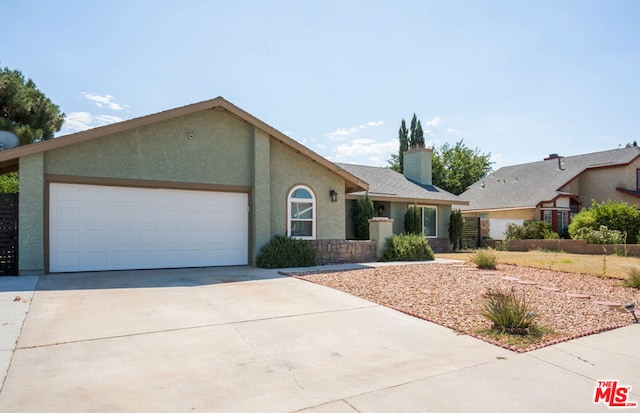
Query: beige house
[[553, 189]]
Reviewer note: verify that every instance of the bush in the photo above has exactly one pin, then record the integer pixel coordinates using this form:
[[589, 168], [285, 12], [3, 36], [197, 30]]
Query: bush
[[634, 279], [530, 230], [485, 259], [603, 235], [412, 221], [506, 310], [455, 229], [285, 252], [407, 247], [616, 216], [362, 212]]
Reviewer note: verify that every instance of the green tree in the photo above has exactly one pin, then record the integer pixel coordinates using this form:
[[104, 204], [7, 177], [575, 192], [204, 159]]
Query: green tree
[[403, 137], [412, 131], [456, 167], [412, 221], [455, 229], [25, 110], [362, 212], [419, 139]]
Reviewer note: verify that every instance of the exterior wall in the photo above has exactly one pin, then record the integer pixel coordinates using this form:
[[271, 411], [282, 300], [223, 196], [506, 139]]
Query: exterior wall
[[417, 165], [31, 216], [337, 251], [600, 184], [221, 152], [572, 246], [261, 211], [289, 169]]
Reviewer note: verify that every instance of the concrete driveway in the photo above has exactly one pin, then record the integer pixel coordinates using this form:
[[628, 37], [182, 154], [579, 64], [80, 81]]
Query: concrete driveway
[[249, 340]]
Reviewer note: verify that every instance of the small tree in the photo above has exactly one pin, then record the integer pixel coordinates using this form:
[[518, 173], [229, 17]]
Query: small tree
[[412, 224], [455, 229], [25, 110], [362, 212], [618, 216]]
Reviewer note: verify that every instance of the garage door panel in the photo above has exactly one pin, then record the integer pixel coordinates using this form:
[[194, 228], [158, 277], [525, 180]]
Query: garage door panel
[[102, 228]]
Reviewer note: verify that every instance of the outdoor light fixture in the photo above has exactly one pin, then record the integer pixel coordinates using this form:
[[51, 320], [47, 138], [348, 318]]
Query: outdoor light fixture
[[630, 307], [380, 210], [334, 196]]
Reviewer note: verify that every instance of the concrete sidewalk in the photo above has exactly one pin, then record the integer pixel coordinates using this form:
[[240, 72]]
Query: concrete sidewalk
[[245, 339]]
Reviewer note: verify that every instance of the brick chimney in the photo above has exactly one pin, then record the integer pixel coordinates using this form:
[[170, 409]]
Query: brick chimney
[[417, 165]]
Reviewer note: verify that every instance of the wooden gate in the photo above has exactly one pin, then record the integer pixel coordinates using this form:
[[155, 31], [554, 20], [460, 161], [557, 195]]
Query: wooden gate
[[8, 234], [470, 233]]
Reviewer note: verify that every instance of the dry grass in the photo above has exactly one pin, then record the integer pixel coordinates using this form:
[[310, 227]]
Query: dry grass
[[599, 265]]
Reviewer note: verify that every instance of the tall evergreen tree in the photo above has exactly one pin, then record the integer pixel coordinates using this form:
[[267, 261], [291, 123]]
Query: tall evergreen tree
[[419, 141], [403, 136], [412, 134]]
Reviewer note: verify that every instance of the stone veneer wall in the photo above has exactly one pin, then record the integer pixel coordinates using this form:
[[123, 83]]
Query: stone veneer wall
[[339, 251]]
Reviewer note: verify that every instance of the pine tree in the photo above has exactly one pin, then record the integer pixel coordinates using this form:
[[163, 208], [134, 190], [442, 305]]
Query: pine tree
[[419, 141], [412, 135], [362, 212], [455, 229]]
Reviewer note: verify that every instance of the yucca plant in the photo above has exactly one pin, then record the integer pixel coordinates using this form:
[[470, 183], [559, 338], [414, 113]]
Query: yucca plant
[[485, 259], [508, 311]]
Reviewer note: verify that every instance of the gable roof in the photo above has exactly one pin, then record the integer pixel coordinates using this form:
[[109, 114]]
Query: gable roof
[[9, 158], [389, 185], [526, 185]]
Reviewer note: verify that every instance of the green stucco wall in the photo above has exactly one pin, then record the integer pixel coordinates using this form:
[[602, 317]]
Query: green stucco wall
[[289, 169], [220, 152], [31, 215]]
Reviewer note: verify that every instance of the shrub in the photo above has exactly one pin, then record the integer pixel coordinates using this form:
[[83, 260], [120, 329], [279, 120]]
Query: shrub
[[285, 252], [485, 259], [530, 230], [634, 278], [506, 310], [362, 212], [455, 229], [407, 247], [616, 216], [412, 221], [603, 235]]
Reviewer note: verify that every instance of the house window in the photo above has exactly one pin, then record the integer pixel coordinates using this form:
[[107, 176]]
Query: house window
[[637, 179], [429, 221], [301, 213], [547, 217]]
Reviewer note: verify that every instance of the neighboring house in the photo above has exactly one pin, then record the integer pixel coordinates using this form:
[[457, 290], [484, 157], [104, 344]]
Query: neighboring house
[[202, 185], [553, 190], [393, 193]]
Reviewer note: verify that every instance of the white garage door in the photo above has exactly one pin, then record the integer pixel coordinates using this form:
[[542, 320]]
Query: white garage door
[[95, 227]]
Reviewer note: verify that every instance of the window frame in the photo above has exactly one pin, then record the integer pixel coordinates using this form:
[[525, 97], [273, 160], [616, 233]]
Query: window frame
[[422, 208], [313, 219]]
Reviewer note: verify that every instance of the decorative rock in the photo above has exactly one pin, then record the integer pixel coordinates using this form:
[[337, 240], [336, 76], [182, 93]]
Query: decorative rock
[[609, 303], [579, 296], [510, 278], [554, 289], [525, 282]]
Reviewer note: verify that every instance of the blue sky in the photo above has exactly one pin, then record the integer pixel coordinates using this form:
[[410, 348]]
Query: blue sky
[[519, 80]]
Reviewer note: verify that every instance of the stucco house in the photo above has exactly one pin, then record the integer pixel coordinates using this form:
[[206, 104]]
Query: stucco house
[[553, 189], [206, 184]]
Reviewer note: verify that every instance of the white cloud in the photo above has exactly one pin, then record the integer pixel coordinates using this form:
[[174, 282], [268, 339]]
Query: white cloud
[[433, 122], [364, 147], [342, 133], [104, 100], [80, 121]]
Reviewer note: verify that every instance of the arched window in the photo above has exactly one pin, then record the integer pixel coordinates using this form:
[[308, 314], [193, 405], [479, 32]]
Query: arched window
[[301, 213]]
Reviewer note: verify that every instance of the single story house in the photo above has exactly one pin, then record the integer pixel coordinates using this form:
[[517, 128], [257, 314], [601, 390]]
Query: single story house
[[553, 190], [207, 184]]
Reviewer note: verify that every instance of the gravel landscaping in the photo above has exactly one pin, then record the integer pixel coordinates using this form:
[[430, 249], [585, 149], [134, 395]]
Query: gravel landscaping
[[572, 305]]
